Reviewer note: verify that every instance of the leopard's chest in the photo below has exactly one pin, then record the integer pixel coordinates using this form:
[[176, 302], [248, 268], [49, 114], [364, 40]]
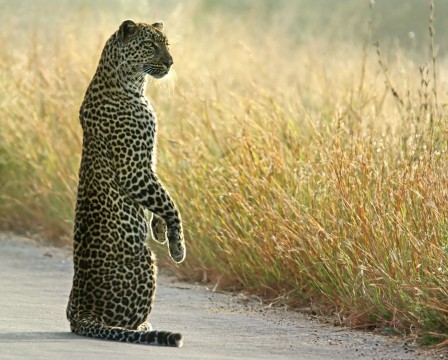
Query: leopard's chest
[[108, 113]]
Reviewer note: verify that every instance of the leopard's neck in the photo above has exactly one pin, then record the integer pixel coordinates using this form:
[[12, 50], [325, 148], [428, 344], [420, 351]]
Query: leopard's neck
[[113, 73]]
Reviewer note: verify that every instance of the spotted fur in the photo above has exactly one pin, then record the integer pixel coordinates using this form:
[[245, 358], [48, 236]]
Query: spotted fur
[[114, 279]]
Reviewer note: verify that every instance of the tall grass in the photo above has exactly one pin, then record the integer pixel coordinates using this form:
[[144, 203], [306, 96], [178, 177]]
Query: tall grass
[[309, 174]]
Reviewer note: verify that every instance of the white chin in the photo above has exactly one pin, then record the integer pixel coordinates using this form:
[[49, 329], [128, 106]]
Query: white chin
[[160, 75]]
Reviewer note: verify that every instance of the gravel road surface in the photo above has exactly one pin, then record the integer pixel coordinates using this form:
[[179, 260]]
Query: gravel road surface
[[35, 282]]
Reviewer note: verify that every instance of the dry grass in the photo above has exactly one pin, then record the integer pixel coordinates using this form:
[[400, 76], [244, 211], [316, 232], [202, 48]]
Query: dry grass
[[299, 173]]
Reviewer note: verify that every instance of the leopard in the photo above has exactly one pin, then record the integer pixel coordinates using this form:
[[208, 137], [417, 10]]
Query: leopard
[[114, 279]]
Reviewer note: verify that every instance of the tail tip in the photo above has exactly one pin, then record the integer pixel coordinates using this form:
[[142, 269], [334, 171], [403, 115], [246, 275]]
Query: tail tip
[[178, 340]]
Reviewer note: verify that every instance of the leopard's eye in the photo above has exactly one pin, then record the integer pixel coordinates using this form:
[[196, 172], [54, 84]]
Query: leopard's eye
[[150, 44]]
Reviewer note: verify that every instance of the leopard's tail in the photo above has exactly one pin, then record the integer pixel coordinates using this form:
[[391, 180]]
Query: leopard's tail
[[95, 329]]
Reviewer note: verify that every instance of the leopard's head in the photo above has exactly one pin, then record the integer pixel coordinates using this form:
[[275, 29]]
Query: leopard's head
[[144, 48]]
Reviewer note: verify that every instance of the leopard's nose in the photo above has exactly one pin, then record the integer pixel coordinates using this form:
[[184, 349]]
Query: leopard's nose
[[169, 62]]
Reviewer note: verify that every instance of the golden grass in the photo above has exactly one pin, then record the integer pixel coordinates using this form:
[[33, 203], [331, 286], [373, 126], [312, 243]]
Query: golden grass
[[299, 175]]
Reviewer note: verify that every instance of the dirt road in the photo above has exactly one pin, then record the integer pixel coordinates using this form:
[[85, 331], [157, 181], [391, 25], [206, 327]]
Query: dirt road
[[35, 283]]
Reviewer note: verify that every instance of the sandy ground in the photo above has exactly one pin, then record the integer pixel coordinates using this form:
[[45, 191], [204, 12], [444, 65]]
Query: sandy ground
[[35, 282]]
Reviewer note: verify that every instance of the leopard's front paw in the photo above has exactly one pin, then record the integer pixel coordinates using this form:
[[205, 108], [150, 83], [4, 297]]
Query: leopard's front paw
[[158, 229], [176, 244]]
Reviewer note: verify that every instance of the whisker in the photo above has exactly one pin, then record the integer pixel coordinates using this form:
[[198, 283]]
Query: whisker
[[135, 80]]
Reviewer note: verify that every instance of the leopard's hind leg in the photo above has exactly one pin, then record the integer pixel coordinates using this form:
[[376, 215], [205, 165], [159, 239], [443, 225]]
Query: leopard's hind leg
[[146, 326]]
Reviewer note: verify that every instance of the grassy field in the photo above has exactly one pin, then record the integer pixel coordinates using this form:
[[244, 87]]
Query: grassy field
[[308, 171]]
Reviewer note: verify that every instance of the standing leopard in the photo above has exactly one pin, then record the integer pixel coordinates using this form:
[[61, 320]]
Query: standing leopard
[[114, 280]]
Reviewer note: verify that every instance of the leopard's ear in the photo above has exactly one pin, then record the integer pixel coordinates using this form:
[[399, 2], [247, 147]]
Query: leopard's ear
[[127, 30], [158, 25]]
